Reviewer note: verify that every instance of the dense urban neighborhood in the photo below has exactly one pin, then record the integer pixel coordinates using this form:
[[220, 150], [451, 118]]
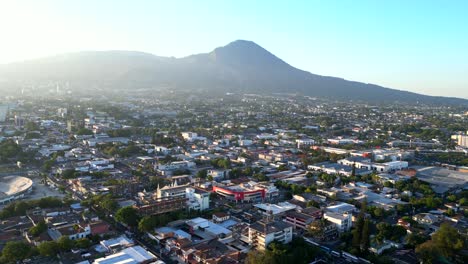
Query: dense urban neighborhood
[[184, 177]]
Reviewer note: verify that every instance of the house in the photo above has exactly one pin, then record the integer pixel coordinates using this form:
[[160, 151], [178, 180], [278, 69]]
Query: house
[[99, 228], [220, 217], [426, 218], [379, 248], [211, 251], [72, 231]]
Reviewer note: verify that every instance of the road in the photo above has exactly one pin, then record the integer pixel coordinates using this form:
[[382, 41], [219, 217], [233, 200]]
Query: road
[[339, 256]]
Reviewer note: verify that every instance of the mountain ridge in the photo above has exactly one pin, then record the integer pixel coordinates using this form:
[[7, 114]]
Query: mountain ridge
[[240, 66]]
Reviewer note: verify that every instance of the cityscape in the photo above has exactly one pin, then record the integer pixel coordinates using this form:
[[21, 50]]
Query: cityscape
[[230, 156]]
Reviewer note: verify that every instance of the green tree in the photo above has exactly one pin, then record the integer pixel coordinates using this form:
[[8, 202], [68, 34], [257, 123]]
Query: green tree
[[427, 252], [69, 174], [15, 251], [83, 243], [446, 242], [65, 243], [48, 248], [127, 215], [365, 241], [38, 229], [202, 174], [147, 223], [84, 131], [108, 203]]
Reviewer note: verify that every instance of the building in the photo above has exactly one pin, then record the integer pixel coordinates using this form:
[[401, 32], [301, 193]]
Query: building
[[198, 199], [192, 136], [343, 222], [275, 209], [172, 191], [298, 220], [3, 113], [245, 192], [262, 233], [162, 205], [361, 163], [199, 225], [301, 143], [13, 188], [423, 144], [135, 254], [341, 208], [462, 140], [443, 180], [71, 230]]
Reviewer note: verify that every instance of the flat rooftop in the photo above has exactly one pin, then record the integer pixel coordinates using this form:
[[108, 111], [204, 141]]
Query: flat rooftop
[[442, 179]]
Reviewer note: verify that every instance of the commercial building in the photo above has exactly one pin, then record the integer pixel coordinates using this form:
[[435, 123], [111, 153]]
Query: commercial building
[[246, 192]]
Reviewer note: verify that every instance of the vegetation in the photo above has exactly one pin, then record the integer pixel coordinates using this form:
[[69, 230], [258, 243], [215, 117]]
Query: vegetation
[[20, 207], [38, 229], [128, 215], [298, 251], [9, 151], [445, 243], [15, 251], [360, 233]]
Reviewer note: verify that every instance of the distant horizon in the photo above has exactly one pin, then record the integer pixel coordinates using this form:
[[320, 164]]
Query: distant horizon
[[421, 48]]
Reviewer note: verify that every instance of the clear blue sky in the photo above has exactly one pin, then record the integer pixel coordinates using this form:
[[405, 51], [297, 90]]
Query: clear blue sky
[[419, 46]]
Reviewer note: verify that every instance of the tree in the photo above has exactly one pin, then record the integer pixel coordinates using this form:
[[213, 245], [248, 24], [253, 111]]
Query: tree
[[446, 242], [108, 203], [31, 126], [365, 242], [147, 223], [427, 252], [256, 257], [65, 243], [127, 215], [48, 248], [452, 198], [202, 174], [69, 174], [378, 212], [84, 131], [415, 239], [15, 251], [38, 229], [83, 243]]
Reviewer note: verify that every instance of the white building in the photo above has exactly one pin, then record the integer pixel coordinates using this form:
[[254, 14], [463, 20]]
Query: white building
[[197, 199], [245, 142], [462, 140], [304, 142], [261, 234], [343, 222], [192, 136], [135, 254]]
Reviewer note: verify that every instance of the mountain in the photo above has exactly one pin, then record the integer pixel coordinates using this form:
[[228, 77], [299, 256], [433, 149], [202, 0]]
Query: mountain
[[240, 66]]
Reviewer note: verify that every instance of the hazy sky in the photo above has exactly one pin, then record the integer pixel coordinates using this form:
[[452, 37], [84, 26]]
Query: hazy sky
[[420, 46]]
